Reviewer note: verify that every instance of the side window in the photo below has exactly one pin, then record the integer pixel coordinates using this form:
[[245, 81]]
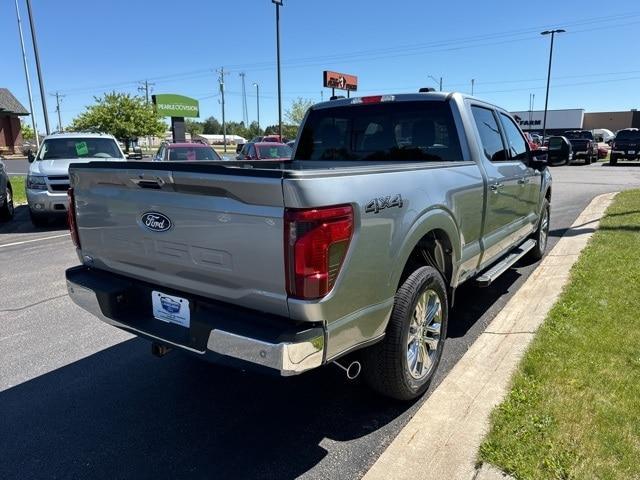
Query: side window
[[160, 152], [517, 144], [251, 152], [489, 134]]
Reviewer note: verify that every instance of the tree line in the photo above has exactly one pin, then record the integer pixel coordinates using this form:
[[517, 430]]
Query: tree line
[[128, 117]]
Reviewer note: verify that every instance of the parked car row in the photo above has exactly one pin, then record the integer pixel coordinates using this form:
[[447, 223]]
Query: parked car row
[[6, 194]]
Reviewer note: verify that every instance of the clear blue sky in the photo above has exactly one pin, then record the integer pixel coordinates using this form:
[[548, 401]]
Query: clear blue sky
[[88, 47]]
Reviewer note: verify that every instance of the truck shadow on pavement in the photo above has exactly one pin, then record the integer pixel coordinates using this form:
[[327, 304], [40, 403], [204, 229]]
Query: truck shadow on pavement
[[21, 223], [122, 413]]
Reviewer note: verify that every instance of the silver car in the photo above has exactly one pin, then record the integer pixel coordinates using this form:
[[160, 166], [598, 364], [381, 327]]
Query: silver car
[[48, 177]]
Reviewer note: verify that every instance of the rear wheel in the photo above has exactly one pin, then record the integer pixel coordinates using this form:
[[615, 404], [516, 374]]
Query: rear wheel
[[403, 364], [7, 210]]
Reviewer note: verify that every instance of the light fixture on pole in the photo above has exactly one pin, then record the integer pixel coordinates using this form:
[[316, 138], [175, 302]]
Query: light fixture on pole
[[257, 102], [278, 4], [546, 98]]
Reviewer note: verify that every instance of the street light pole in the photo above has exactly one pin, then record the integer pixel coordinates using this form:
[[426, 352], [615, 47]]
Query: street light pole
[[546, 98], [278, 4], [37, 58], [26, 74], [257, 102]]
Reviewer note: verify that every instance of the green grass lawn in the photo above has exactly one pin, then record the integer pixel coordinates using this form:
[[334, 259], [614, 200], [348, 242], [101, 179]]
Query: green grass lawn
[[574, 407], [17, 185]]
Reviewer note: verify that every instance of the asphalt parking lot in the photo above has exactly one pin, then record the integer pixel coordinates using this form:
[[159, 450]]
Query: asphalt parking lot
[[81, 399]]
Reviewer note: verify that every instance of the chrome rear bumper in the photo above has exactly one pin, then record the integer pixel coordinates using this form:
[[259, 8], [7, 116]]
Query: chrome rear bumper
[[287, 357]]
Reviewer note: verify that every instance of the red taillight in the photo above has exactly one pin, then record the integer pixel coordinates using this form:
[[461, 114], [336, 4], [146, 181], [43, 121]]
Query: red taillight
[[316, 242], [71, 218]]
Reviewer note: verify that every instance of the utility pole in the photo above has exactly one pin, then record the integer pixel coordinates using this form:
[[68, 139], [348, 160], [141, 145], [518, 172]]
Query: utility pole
[[436, 80], [58, 97], [546, 99], [245, 111], [321, 96], [278, 4], [224, 124], [257, 102], [37, 58], [145, 87], [26, 74], [473, 81]]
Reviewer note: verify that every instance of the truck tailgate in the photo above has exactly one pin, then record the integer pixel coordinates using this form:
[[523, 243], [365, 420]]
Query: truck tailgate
[[214, 232]]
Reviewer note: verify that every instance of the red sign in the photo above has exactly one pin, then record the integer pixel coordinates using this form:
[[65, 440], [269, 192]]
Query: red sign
[[341, 81]]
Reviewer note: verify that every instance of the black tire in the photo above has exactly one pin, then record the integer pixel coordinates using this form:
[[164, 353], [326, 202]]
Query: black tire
[[541, 235], [7, 210], [38, 220], [587, 160], [613, 160], [386, 365]]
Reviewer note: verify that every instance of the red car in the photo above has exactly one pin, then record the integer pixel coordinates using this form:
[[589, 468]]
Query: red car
[[532, 145], [602, 152], [186, 152], [265, 151], [272, 138]]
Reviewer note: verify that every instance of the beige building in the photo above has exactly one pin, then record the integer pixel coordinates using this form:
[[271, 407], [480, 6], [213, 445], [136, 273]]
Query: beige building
[[613, 121]]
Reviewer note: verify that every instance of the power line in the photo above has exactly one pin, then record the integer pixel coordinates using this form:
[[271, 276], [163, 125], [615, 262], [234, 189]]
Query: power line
[[396, 51]]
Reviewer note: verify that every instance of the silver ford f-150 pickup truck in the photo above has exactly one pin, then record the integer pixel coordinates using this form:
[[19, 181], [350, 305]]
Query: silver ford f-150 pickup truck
[[357, 244]]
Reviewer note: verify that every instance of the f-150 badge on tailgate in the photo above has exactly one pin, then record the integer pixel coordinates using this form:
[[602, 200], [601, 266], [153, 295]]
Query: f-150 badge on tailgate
[[156, 221], [380, 203]]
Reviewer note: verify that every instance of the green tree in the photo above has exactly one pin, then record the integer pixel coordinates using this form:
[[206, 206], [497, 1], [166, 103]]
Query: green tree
[[122, 115], [289, 132], [212, 126], [27, 132], [295, 114], [193, 127]]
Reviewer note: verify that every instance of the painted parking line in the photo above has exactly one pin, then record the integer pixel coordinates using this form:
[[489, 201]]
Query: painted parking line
[[34, 240]]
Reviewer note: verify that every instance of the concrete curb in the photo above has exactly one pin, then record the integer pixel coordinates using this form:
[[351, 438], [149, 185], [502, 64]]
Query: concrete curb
[[443, 437]]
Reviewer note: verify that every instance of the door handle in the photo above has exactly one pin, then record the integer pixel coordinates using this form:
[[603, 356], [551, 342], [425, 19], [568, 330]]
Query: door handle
[[495, 188], [523, 181]]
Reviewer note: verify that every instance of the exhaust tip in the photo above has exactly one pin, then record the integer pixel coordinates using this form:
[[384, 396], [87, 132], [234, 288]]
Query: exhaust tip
[[352, 370]]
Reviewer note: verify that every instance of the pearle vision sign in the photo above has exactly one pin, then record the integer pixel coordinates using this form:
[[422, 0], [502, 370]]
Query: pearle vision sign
[[171, 105]]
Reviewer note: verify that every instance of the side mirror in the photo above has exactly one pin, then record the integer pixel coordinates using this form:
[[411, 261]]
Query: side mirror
[[30, 156], [538, 159]]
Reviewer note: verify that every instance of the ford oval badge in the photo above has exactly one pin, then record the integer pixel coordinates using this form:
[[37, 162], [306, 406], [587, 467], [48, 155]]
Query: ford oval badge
[[156, 221]]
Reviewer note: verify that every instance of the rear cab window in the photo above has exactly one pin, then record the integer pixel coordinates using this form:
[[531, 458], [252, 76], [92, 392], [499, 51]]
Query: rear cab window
[[633, 135], [403, 131]]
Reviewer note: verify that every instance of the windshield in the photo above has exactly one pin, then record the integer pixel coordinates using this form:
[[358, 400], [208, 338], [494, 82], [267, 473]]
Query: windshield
[[275, 151], [187, 154], [78, 147], [628, 135], [579, 135], [397, 131]]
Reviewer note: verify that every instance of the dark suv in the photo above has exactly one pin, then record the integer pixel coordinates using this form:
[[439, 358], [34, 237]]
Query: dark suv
[[583, 145], [626, 145]]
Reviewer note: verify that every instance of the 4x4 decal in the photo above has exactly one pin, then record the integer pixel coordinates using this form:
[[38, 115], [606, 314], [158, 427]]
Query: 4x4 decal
[[380, 203]]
